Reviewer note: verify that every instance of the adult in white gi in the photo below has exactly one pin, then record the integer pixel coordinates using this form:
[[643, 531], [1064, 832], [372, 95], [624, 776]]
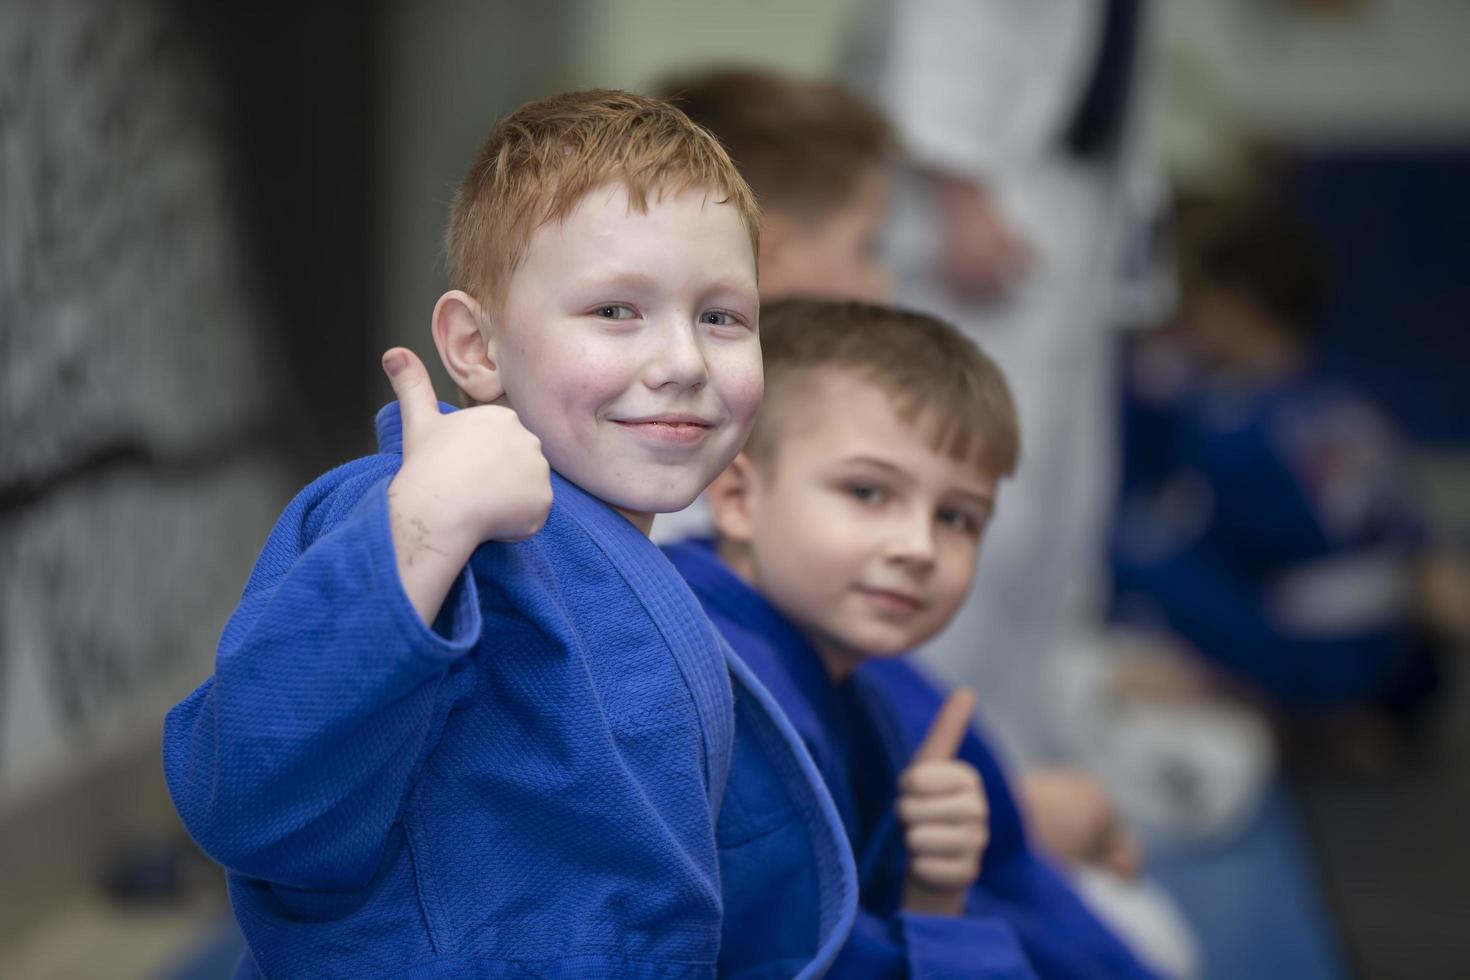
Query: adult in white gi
[[1031, 222]]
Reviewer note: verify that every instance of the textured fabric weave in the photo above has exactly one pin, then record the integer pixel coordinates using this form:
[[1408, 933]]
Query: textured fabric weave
[[533, 787], [1022, 919]]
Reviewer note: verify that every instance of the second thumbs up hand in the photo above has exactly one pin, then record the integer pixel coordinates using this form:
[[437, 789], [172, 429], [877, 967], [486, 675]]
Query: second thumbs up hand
[[945, 815]]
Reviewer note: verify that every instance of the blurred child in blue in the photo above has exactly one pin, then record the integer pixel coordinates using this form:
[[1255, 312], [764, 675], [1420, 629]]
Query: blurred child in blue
[[1264, 519], [848, 533]]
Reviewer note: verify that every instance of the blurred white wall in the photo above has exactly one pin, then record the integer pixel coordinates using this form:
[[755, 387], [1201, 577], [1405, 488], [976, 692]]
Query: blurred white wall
[[630, 43], [1381, 72]]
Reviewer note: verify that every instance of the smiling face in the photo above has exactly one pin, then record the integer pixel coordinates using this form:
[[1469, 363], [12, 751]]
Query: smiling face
[[627, 342], [859, 531]]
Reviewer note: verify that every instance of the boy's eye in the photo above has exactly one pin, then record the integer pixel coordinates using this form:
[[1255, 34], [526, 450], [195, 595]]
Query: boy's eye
[[950, 517], [865, 493], [614, 311], [717, 318]]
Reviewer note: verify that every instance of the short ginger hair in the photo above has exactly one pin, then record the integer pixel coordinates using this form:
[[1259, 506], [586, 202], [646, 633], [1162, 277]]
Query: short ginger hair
[[802, 144], [540, 161], [935, 375]]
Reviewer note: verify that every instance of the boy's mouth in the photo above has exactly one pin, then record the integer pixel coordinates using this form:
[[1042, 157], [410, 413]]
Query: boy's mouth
[[678, 429], [890, 601]]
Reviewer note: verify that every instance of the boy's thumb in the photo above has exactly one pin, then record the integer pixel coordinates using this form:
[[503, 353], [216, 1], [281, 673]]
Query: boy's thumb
[[412, 385], [948, 729]]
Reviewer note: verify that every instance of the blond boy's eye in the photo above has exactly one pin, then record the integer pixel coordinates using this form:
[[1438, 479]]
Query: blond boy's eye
[[614, 311], [717, 318], [959, 519], [864, 492]]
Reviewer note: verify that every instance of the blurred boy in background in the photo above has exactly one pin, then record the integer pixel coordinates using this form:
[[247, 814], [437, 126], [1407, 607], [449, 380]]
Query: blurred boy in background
[[819, 160], [1265, 521]]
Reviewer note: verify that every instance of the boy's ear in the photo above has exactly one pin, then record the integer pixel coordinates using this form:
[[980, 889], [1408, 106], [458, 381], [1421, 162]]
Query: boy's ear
[[465, 338], [730, 500]]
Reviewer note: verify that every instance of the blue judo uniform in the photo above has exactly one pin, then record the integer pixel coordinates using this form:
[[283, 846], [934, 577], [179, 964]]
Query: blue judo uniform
[[1266, 524], [567, 776], [1022, 919]]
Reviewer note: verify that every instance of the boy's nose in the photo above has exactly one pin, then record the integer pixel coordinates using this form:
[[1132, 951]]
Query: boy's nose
[[914, 542], [678, 360]]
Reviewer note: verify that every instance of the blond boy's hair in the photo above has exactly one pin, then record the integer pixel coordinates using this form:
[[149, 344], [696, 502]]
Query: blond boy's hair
[[539, 162], [802, 144], [937, 377]]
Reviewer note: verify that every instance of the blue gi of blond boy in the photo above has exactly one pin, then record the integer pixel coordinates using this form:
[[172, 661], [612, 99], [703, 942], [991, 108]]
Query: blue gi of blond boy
[[849, 529], [467, 721]]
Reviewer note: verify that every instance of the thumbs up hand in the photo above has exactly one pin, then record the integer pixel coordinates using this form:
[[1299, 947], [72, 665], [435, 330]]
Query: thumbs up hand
[[471, 476], [945, 816]]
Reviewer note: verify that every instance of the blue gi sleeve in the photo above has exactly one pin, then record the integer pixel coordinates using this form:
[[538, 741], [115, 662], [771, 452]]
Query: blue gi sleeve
[[1228, 621], [291, 763], [928, 947]]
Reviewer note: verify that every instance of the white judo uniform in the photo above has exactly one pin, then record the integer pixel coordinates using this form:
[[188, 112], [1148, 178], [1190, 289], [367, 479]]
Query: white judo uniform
[[987, 89]]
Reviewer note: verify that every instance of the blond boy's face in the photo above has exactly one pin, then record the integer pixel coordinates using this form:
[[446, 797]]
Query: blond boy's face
[[858, 531], [628, 344], [835, 257]]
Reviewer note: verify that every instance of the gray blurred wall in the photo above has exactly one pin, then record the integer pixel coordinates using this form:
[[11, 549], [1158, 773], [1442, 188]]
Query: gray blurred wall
[[135, 486]]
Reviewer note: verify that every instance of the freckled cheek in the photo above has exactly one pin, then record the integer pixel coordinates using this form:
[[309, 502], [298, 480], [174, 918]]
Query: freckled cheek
[[599, 386], [595, 376]]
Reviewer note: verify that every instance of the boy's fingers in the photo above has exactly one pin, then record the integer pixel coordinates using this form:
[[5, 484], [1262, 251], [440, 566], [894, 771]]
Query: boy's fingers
[[938, 780], [941, 840], [412, 385], [948, 808], [948, 729]]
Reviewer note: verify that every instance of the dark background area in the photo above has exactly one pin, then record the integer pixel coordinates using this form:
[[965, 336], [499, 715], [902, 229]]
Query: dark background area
[[1400, 321], [299, 90]]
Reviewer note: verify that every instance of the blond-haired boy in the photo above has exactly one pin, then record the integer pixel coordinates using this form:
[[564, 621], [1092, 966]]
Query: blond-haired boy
[[466, 720], [848, 534]]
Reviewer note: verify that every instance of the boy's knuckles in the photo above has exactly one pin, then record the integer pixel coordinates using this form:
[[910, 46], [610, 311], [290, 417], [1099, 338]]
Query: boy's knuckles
[[951, 808], [934, 778], [943, 872], [947, 840]]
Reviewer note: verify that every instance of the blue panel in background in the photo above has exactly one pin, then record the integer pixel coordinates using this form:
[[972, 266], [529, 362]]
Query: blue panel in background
[[1398, 225]]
